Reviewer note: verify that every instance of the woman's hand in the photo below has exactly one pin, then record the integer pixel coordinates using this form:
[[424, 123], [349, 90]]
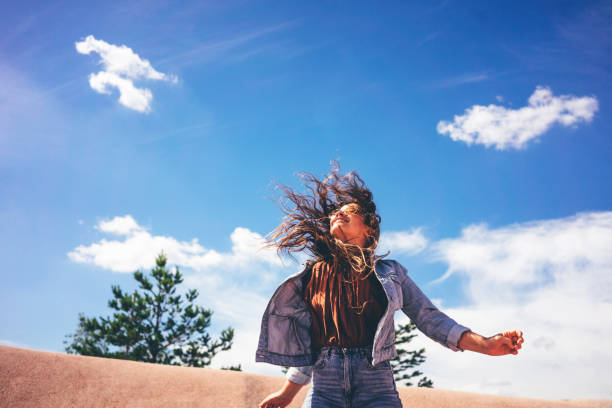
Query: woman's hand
[[505, 343], [275, 400], [282, 398], [508, 342]]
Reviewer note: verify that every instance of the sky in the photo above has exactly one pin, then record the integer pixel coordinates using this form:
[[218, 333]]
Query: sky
[[483, 130]]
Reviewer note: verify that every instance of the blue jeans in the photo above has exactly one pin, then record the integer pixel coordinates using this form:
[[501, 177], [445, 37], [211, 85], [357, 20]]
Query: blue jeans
[[345, 378]]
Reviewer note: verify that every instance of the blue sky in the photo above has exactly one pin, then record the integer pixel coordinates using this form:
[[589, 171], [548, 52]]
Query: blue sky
[[483, 131]]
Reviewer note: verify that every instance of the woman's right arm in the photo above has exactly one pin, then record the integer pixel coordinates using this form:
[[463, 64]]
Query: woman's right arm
[[282, 398]]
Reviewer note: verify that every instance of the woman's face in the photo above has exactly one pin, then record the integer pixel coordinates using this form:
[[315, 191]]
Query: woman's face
[[346, 224]]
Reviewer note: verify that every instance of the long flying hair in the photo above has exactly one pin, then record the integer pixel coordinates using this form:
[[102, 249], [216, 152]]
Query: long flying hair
[[305, 226]]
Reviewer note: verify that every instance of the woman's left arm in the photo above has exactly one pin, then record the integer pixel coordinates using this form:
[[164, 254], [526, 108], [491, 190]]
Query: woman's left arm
[[501, 344], [428, 318], [441, 328]]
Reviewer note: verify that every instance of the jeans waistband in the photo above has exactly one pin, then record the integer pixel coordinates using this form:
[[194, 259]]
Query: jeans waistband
[[365, 350]]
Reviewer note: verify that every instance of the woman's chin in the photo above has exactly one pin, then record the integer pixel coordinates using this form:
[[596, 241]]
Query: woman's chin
[[336, 232]]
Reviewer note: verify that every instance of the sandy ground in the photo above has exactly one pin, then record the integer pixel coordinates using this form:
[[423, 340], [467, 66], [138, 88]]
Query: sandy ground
[[41, 379]]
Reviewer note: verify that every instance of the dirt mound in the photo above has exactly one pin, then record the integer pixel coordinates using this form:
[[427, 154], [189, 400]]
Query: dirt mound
[[41, 379]]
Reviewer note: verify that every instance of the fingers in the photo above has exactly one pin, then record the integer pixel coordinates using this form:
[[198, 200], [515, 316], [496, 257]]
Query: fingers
[[266, 403], [515, 335], [508, 345], [516, 340], [272, 403]]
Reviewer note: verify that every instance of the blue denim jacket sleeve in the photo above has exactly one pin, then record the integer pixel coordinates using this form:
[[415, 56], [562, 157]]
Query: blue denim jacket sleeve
[[431, 321], [299, 375]]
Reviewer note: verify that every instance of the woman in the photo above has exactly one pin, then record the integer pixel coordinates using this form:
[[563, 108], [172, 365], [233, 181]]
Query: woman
[[334, 320]]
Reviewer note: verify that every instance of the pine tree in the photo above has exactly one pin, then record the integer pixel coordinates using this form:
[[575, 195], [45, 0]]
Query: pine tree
[[152, 324], [408, 359]]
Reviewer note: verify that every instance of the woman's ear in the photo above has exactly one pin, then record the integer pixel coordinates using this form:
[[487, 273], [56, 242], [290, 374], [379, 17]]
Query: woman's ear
[[369, 234]]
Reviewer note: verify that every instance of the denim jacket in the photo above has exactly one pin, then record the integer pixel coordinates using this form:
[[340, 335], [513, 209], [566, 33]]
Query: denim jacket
[[284, 338]]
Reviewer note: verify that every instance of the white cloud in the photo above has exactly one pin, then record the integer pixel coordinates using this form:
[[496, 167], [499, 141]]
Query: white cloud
[[120, 226], [138, 249], [121, 67], [405, 242], [504, 128], [129, 96], [550, 278]]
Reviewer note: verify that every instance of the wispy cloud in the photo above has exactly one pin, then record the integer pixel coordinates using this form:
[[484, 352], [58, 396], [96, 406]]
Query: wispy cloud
[[35, 18], [550, 278], [463, 79], [122, 67], [589, 32], [22, 139], [199, 128], [505, 128], [436, 7], [215, 49], [429, 38]]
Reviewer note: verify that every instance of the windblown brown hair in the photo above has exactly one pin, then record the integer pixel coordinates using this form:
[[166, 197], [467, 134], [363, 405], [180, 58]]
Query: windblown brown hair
[[305, 226]]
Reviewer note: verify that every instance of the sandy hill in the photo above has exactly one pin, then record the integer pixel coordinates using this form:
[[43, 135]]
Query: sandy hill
[[41, 379]]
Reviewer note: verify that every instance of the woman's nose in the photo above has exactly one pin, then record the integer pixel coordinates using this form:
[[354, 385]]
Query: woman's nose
[[339, 214]]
